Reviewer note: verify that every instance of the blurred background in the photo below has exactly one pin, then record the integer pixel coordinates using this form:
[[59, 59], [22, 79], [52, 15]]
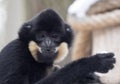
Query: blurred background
[[96, 24]]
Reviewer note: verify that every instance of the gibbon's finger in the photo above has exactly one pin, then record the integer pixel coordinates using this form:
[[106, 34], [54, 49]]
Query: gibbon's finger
[[109, 55], [111, 60], [106, 55]]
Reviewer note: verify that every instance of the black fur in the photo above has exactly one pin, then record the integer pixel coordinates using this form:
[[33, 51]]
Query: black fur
[[17, 65]]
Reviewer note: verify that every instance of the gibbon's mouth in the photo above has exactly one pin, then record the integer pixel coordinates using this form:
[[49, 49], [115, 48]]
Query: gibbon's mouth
[[47, 51], [41, 55], [46, 57]]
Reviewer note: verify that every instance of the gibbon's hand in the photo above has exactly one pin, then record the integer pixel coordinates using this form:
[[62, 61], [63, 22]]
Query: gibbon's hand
[[104, 62]]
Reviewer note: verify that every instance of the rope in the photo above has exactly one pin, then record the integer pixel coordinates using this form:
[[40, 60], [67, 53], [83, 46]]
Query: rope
[[103, 6], [100, 21]]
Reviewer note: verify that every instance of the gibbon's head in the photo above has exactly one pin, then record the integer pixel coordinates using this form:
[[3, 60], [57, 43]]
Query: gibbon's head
[[48, 37]]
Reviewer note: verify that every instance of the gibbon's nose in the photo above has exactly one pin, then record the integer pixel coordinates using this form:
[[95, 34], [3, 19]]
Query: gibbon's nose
[[49, 50], [48, 46]]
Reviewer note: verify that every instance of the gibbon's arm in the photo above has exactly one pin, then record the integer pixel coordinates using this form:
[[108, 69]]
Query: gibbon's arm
[[13, 63], [80, 69]]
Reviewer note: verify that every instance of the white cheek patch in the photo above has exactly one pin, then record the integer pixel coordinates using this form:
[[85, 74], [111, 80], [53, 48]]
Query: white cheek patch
[[34, 48], [56, 49], [62, 52], [39, 49]]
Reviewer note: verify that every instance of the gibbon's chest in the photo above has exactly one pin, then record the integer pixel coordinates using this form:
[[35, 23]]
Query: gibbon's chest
[[37, 72]]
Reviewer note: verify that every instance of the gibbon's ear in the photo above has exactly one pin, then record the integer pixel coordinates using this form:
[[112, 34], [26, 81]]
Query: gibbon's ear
[[24, 32], [69, 35]]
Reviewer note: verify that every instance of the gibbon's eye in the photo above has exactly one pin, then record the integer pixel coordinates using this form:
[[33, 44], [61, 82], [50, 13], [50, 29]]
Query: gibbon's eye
[[41, 36], [55, 36]]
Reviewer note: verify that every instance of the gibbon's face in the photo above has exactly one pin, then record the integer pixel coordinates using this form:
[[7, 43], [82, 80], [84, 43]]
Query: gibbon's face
[[48, 37], [47, 50]]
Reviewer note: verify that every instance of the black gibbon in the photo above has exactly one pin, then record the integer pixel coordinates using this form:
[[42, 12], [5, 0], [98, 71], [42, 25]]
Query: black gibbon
[[42, 41]]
